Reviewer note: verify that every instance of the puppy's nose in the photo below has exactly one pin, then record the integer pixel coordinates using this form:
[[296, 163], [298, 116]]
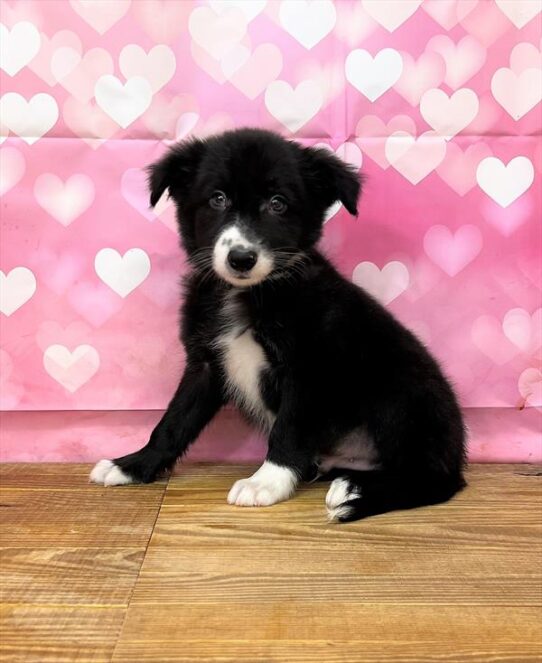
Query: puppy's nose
[[241, 259]]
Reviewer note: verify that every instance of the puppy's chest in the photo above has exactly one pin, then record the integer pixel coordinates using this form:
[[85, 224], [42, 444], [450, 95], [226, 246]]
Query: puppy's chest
[[245, 361]]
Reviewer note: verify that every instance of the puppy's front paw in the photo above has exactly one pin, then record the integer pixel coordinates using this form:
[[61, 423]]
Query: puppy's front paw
[[247, 492], [269, 485], [107, 473]]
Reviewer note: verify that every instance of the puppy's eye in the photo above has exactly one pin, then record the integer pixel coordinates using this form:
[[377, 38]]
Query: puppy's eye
[[277, 205], [218, 200]]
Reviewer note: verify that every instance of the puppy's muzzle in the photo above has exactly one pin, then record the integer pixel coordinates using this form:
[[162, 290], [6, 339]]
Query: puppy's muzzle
[[240, 260]]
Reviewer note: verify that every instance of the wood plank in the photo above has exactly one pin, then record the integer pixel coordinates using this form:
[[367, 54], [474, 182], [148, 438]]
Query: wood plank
[[340, 620], [459, 581], [319, 651], [44, 475], [69, 575], [372, 632], [53, 634], [90, 516], [70, 558], [455, 582], [427, 549]]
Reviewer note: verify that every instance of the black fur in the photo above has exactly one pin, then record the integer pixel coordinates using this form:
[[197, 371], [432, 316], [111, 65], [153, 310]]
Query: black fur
[[338, 361]]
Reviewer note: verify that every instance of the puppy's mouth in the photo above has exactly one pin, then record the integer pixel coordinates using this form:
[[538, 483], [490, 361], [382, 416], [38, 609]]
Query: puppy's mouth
[[240, 261]]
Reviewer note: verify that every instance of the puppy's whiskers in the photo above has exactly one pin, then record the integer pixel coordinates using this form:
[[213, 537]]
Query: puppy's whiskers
[[289, 264]]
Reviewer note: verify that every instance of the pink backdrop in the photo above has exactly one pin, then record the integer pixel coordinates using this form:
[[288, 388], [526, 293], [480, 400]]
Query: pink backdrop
[[437, 101]]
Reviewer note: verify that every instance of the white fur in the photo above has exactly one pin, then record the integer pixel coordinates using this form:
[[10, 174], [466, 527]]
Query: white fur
[[243, 360], [109, 474], [269, 485], [336, 497], [339, 512], [233, 236]]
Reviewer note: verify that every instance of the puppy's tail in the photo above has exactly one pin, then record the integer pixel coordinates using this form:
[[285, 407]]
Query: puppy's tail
[[356, 495]]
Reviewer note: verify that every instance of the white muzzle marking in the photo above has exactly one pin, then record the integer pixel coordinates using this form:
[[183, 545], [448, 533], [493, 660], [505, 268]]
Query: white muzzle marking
[[233, 236]]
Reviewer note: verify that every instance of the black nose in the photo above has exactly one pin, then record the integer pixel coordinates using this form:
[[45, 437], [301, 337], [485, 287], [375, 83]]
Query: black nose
[[241, 259]]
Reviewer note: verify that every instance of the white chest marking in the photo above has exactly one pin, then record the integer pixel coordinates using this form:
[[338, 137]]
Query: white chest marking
[[244, 360]]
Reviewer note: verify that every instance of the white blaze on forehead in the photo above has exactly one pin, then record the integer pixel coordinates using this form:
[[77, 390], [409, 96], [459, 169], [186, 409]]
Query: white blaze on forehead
[[233, 236]]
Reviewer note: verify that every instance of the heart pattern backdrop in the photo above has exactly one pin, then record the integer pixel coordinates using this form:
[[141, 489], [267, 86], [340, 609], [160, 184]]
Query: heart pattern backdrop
[[438, 102]]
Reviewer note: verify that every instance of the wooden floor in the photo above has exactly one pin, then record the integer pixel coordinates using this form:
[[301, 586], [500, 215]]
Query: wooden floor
[[170, 573]]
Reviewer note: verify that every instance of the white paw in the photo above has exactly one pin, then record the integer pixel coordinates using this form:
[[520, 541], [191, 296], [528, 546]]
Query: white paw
[[269, 485], [109, 474], [339, 492]]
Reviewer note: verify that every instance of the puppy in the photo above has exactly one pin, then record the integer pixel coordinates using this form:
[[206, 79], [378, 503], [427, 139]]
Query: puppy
[[341, 388]]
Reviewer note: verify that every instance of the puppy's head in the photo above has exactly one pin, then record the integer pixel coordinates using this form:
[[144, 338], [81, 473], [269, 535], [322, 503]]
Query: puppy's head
[[250, 203]]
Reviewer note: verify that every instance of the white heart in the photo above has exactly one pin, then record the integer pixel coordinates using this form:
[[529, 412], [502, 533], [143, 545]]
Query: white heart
[[217, 33], [123, 103], [71, 369], [308, 21], [522, 329], [64, 201], [12, 167], [250, 8], [451, 251], [449, 115], [29, 120], [16, 288], [234, 60], [415, 158], [18, 46], [486, 335], [99, 14], [293, 108], [463, 60], [391, 13], [157, 66], [373, 76], [122, 273], [504, 184], [520, 12], [64, 61], [517, 93], [386, 284]]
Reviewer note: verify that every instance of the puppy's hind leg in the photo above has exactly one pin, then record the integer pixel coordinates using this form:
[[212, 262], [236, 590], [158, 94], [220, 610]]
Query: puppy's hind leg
[[196, 401], [357, 495]]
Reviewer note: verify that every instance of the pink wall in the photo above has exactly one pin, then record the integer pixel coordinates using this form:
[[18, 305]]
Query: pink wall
[[437, 101]]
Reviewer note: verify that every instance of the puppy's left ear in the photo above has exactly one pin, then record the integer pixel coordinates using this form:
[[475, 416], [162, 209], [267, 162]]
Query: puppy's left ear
[[176, 170], [330, 179]]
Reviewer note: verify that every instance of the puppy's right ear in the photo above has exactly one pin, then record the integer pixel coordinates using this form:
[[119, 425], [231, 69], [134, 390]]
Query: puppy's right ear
[[176, 170]]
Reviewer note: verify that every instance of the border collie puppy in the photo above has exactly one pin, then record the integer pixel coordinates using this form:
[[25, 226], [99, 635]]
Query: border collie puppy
[[341, 388]]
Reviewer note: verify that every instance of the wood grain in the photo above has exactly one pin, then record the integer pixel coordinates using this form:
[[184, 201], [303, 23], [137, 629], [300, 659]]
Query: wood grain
[[82, 582], [455, 582], [70, 557], [320, 651], [33, 633]]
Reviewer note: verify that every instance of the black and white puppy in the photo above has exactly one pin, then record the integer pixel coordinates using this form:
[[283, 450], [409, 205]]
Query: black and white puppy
[[342, 389]]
